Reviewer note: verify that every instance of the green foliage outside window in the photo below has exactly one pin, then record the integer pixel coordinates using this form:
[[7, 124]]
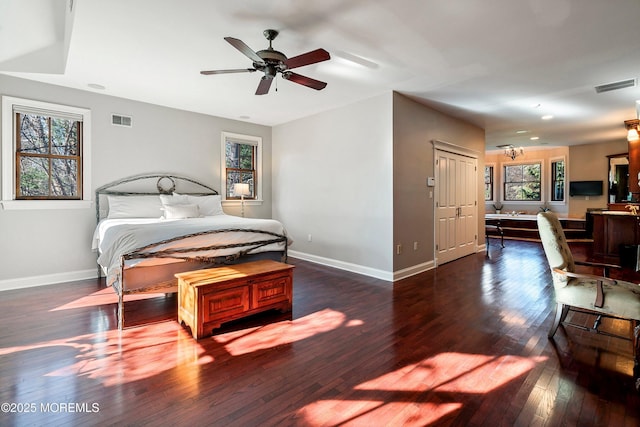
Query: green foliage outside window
[[522, 182], [557, 181], [240, 167], [488, 183]]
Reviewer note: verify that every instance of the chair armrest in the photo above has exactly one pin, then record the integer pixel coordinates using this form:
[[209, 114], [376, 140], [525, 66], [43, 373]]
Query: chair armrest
[[600, 280], [605, 267]]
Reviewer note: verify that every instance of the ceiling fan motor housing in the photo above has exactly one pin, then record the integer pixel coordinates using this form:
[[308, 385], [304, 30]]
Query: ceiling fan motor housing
[[274, 60]]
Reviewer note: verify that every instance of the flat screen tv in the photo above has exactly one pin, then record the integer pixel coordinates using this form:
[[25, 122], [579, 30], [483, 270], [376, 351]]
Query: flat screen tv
[[585, 188]]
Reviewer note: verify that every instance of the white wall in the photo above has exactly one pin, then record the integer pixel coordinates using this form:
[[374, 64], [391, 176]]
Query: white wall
[[48, 246], [333, 179]]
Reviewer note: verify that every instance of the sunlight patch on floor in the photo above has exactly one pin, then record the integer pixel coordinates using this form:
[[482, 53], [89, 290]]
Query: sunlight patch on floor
[[103, 297], [421, 383], [330, 413], [281, 333], [116, 357]]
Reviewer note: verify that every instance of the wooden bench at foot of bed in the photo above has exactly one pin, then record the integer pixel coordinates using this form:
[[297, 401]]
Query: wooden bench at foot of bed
[[208, 298]]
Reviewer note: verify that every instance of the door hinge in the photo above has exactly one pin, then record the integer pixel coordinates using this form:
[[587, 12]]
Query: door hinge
[[437, 161], [436, 246]]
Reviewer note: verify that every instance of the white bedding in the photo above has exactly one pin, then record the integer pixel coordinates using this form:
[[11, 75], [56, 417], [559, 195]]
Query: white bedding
[[116, 237]]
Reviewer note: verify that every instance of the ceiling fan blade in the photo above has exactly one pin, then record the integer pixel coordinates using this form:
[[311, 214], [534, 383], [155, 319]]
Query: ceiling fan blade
[[264, 85], [237, 70], [246, 50], [305, 81], [308, 58]]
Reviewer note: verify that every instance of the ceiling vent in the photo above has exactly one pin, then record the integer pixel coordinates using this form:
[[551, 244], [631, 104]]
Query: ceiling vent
[[615, 86], [119, 120]]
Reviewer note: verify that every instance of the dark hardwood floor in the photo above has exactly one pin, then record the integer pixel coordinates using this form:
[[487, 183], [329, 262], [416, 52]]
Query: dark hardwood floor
[[462, 345]]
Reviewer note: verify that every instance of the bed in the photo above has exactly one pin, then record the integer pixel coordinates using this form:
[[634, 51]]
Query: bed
[[152, 226]]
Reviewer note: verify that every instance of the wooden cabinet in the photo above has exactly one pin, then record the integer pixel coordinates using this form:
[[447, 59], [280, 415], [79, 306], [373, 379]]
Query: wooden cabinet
[[525, 227], [613, 230], [208, 298]]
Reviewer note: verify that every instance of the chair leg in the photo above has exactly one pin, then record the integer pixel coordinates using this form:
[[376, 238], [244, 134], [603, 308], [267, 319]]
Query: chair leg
[[636, 352], [561, 313]]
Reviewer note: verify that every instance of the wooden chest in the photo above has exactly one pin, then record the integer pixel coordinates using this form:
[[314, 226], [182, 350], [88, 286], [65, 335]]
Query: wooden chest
[[207, 298]]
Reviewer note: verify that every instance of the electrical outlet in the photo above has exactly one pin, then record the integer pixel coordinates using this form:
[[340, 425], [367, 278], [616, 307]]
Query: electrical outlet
[[309, 238], [415, 246], [398, 249]]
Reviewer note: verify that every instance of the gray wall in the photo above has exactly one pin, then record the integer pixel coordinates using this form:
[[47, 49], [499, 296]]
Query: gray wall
[[414, 127], [48, 246], [333, 180], [355, 180]]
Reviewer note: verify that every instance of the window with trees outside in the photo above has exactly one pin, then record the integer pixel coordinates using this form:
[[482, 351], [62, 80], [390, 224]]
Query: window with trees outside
[[44, 148], [488, 183], [557, 181], [522, 182], [242, 160], [48, 156]]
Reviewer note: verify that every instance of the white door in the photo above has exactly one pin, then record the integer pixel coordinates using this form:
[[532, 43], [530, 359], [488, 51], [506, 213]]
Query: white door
[[456, 206]]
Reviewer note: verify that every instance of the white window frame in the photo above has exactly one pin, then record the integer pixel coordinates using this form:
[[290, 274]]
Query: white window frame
[[245, 139], [543, 190], [9, 154], [566, 182]]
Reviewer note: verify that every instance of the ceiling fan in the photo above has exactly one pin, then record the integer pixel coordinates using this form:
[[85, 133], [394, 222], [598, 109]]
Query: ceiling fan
[[271, 62]]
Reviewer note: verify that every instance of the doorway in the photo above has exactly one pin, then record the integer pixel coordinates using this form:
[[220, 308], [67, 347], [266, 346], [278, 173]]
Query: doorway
[[456, 205]]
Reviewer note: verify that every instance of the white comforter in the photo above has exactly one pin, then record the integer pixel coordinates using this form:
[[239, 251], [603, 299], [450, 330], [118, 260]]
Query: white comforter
[[116, 237]]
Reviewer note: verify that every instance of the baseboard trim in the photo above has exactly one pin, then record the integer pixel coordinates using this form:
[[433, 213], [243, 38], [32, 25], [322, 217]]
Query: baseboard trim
[[354, 268], [367, 271], [412, 271], [47, 279]]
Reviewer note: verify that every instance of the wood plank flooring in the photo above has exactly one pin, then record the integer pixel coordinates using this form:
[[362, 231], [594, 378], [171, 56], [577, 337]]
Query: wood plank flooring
[[462, 345]]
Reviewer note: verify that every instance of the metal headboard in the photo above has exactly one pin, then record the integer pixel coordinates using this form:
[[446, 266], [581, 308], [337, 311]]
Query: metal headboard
[[166, 183]]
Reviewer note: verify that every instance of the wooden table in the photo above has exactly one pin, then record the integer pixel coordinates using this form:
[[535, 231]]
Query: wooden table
[[210, 297]]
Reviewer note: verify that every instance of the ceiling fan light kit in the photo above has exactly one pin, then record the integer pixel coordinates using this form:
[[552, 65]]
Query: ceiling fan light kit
[[271, 62]]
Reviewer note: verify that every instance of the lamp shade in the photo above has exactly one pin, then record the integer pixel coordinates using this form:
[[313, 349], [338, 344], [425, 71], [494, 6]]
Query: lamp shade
[[241, 189]]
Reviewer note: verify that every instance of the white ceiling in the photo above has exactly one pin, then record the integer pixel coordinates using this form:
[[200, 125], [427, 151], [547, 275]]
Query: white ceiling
[[490, 62]]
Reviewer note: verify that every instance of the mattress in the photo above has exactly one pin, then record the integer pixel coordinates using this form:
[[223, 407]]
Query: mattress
[[138, 242]]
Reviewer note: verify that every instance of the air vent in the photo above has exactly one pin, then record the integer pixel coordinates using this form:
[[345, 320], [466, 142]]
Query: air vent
[[119, 120], [615, 86]]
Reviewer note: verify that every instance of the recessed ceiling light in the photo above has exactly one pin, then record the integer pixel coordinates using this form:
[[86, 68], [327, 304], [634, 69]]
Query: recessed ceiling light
[[547, 117], [534, 138], [96, 86], [522, 131]]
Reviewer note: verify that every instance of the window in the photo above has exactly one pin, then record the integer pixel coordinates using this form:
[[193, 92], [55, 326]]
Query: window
[[242, 159], [488, 183], [557, 180], [45, 155], [522, 182]]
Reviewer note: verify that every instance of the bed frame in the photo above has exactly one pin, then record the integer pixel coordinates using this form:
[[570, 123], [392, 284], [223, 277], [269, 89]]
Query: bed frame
[[161, 279]]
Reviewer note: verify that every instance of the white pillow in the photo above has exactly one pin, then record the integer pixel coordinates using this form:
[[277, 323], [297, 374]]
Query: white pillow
[[168, 199], [181, 211], [208, 205], [134, 207]]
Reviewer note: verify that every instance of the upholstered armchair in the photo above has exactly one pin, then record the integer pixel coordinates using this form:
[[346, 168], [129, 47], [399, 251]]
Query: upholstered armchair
[[597, 295]]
